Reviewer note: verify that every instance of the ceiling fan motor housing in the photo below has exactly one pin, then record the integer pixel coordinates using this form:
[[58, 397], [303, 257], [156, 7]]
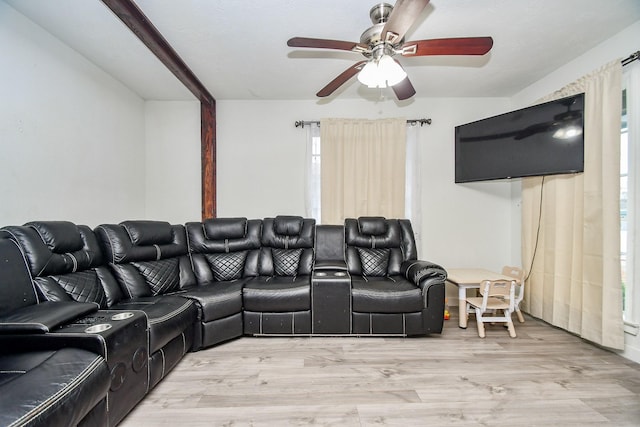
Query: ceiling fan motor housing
[[379, 13], [372, 36]]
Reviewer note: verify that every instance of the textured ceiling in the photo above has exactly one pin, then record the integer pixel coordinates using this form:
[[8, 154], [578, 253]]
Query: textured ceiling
[[238, 48]]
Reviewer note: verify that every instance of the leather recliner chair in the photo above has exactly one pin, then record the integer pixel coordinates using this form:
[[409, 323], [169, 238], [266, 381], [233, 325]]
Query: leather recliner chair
[[43, 382], [149, 261], [392, 292], [278, 301], [224, 256]]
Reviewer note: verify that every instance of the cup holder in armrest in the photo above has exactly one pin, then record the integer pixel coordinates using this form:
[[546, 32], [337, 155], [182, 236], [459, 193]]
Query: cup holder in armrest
[[330, 273], [122, 316], [100, 327]]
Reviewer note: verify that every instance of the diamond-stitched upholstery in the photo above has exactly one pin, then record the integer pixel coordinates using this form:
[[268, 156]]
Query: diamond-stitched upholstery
[[162, 276], [285, 261], [375, 246], [82, 286], [374, 261], [224, 249], [227, 266], [289, 254], [147, 268], [64, 276]]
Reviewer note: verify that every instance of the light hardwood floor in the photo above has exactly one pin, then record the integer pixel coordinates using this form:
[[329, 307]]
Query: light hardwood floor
[[544, 377]]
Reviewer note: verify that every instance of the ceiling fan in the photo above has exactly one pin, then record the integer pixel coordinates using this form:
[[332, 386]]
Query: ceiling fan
[[384, 40]]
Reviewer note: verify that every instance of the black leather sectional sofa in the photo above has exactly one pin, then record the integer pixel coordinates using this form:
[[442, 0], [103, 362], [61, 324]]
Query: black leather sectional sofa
[[91, 320]]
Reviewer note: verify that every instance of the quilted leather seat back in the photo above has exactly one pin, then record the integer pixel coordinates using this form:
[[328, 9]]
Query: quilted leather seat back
[[224, 249], [148, 258], [16, 288], [287, 246], [377, 247], [66, 262]]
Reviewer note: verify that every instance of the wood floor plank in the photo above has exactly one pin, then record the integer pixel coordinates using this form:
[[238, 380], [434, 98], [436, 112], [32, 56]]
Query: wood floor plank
[[544, 377]]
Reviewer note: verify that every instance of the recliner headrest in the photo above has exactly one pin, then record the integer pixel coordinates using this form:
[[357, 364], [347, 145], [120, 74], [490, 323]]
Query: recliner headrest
[[225, 228], [144, 233], [59, 236], [373, 225], [288, 225]]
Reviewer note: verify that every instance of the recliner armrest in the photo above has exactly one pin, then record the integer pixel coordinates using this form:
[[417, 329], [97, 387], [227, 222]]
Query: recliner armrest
[[339, 265], [42, 318], [423, 273]]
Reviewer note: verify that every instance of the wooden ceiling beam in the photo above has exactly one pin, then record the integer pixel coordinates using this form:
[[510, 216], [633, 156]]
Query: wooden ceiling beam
[[133, 17]]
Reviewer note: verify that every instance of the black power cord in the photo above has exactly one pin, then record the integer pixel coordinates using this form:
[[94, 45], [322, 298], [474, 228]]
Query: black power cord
[[535, 248]]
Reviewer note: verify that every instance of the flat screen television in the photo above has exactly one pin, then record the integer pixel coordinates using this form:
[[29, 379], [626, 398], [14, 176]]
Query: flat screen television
[[543, 139]]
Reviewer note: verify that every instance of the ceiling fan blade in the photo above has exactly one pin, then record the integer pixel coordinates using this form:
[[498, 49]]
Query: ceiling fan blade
[[325, 44], [404, 89], [452, 46], [341, 79], [402, 17]]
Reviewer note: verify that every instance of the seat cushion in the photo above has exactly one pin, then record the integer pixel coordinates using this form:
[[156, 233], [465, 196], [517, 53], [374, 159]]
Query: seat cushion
[[167, 315], [385, 295], [277, 294], [216, 300], [52, 387]]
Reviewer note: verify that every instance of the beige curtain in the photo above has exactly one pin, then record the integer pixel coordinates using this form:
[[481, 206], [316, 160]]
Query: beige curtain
[[362, 168], [575, 279]]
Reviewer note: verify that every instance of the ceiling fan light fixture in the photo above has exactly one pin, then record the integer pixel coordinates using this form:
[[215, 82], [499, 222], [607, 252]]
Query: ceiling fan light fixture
[[370, 75], [391, 70], [381, 73]]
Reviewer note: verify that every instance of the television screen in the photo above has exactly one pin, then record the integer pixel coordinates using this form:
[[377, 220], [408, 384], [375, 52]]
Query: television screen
[[543, 139]]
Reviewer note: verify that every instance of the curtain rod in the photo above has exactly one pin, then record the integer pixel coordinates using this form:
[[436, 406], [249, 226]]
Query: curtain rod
[[629, 59], [412, 122]]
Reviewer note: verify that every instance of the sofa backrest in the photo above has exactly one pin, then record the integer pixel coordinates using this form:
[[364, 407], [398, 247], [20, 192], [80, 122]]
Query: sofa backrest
[[66, 262], [223, 249], [287, 246], [16, 288], [377, 247], [148, 258], [329, 247]]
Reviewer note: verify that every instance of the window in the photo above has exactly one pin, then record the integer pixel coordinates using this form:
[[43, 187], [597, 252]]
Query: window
[[314, 176], [412, 193], [630, 197], [624, 203]]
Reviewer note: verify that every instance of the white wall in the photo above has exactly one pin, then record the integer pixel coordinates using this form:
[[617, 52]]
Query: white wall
[[617, 47], [71, 137], [172, 161]]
